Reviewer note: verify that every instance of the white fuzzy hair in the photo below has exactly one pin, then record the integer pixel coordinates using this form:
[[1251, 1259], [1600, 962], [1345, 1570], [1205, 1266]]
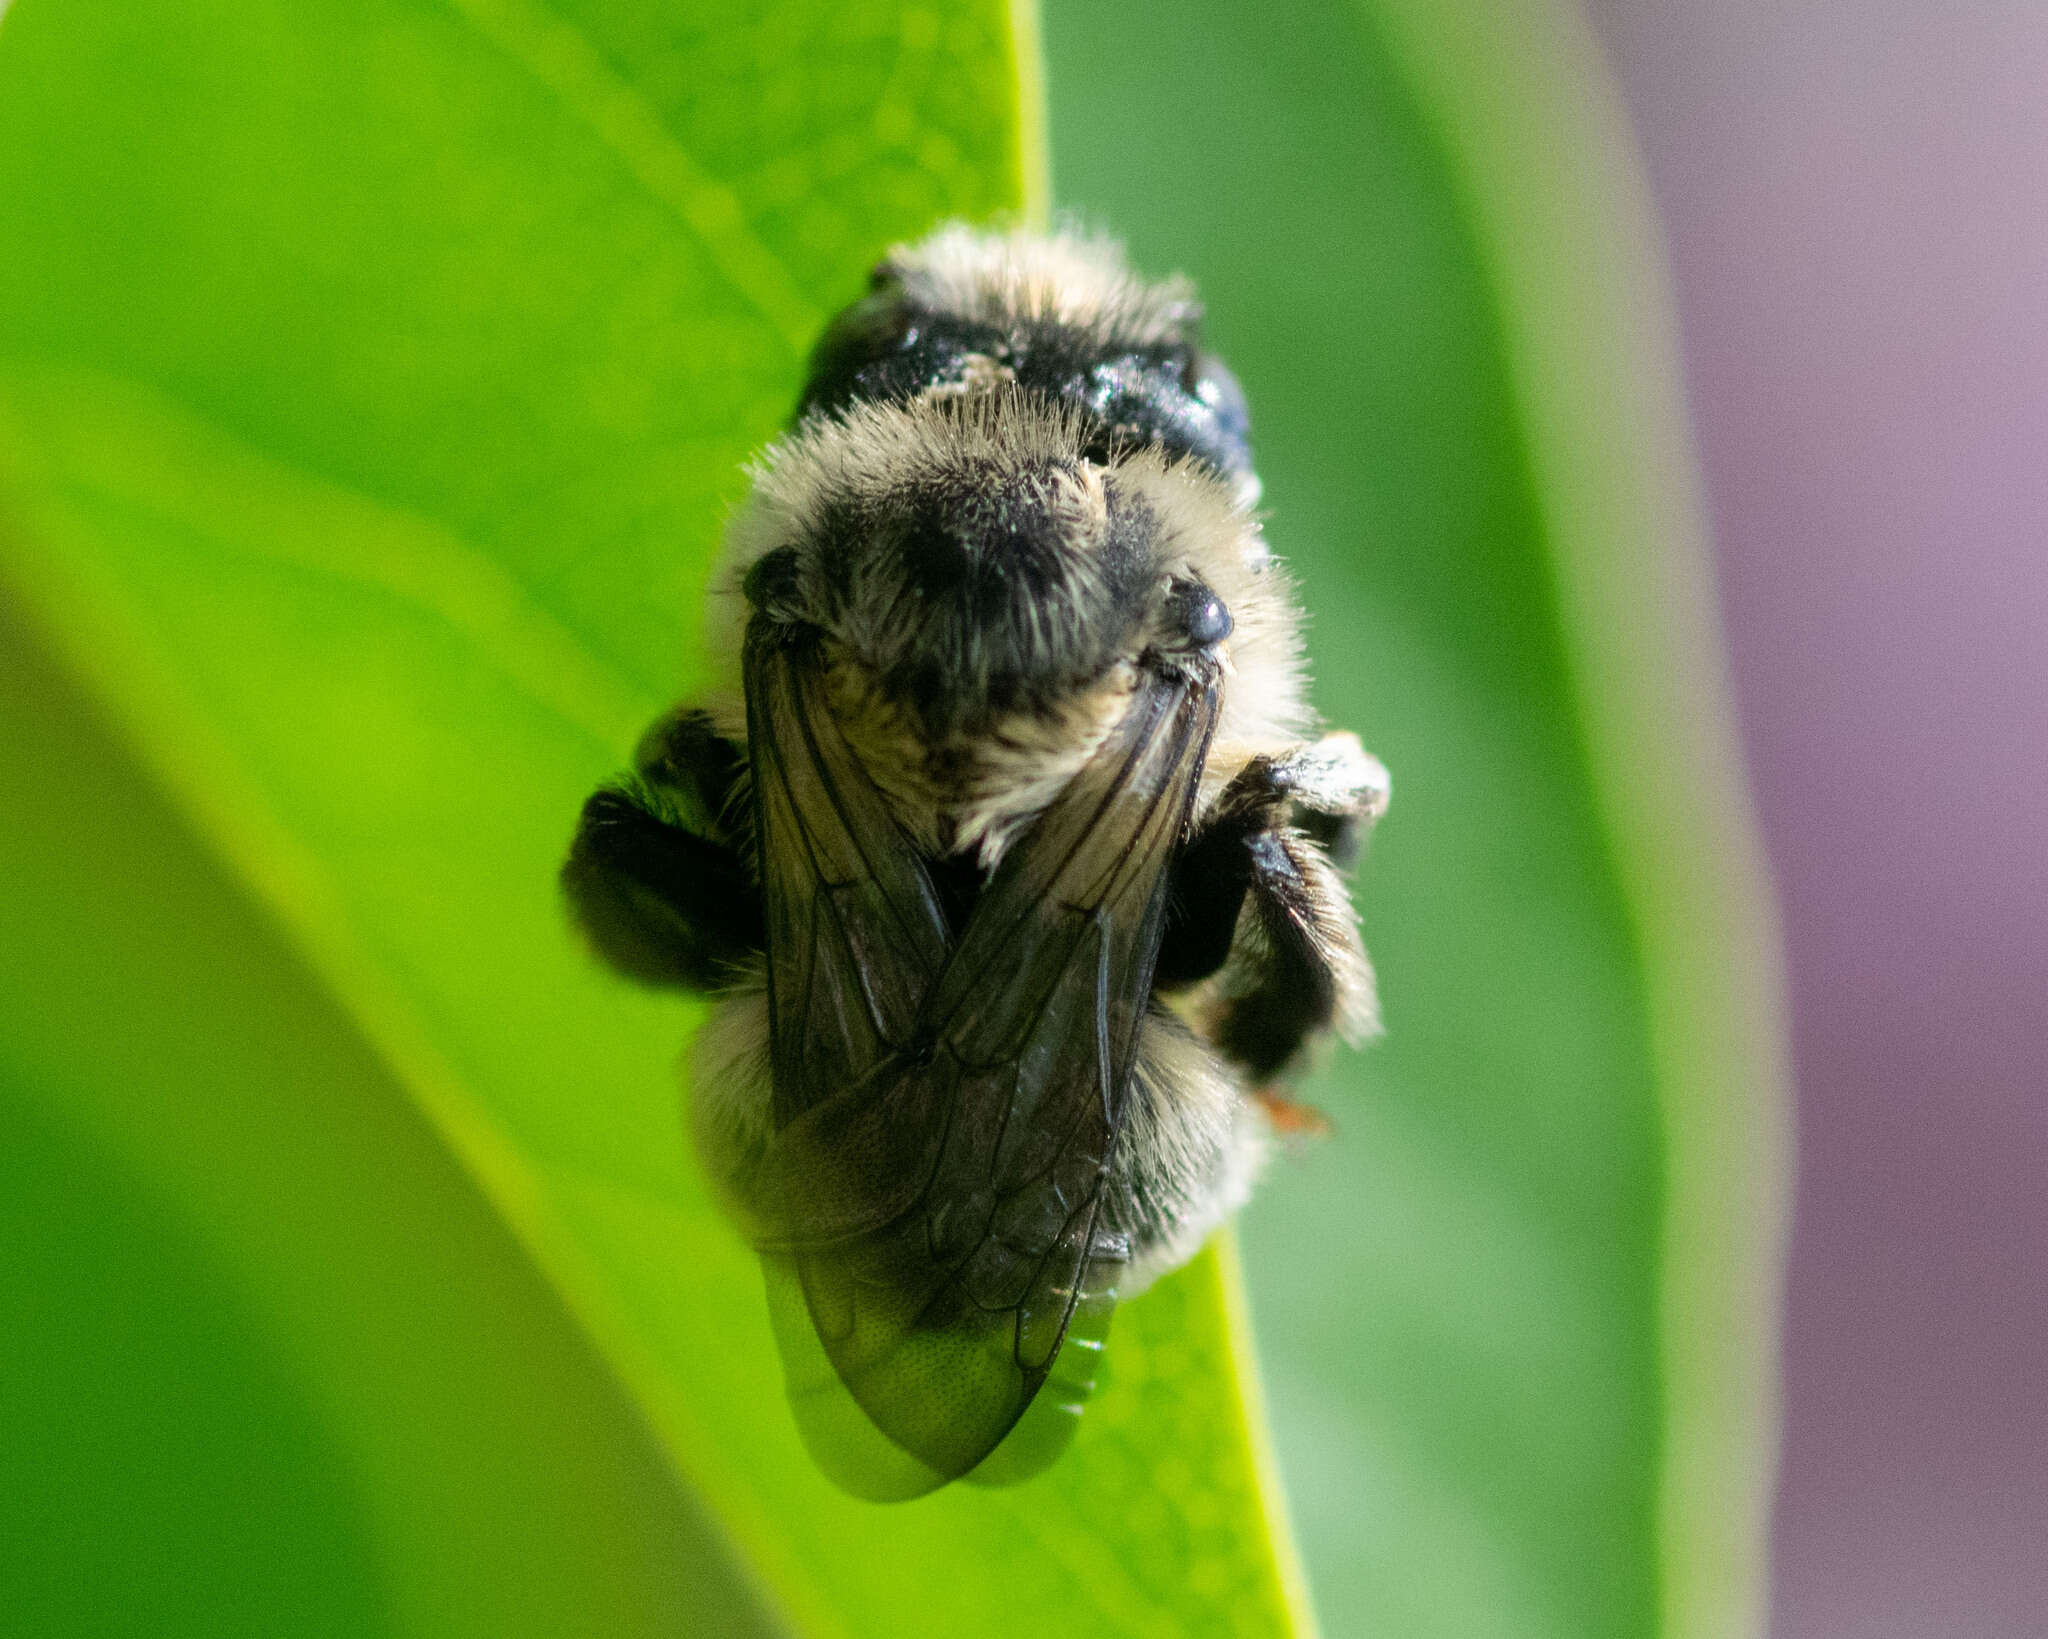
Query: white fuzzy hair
[[995, 784], [1191, 1147], [1067, 277]]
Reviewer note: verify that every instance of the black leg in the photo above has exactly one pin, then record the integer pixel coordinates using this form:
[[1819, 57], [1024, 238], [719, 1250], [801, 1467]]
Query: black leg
[[1269, 841], [655, 880], [1210, 877], [692, 771], [1330, 791], [1297, 991]]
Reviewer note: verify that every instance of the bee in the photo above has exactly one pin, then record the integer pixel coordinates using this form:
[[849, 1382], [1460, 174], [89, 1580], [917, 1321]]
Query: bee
[[1004, 844]]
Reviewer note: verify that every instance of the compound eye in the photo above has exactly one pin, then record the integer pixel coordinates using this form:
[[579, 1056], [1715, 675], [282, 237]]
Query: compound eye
[[1199, 613], [772, 581], [873, 329]]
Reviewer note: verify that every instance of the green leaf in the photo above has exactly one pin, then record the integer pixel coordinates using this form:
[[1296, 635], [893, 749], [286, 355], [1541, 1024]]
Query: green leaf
[[273, 1365], [1518, 1315], [373, 383]]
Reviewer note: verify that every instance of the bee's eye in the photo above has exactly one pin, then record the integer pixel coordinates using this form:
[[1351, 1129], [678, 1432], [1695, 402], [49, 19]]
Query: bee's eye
[[1199, 613], [772, 579], [874, 329]]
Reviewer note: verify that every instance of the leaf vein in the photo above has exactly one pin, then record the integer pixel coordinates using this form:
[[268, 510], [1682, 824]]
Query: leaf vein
[[561, 57], [125, 439]]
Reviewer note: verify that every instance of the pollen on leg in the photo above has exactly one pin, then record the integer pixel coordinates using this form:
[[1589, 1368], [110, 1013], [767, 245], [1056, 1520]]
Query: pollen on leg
[[1293, 1121]]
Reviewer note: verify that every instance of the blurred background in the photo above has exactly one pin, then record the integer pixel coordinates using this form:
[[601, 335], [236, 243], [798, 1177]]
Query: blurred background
[[1854, 196]]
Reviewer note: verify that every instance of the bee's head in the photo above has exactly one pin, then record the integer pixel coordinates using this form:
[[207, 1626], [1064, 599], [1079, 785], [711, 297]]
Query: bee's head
[[1060, 316], [972, 559]]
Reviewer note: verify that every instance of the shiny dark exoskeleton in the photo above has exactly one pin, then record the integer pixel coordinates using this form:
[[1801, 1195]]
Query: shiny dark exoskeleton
[[1167, 391]]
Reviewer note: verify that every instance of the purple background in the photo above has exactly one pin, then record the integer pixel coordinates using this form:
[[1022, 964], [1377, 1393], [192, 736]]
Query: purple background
[[1856, 197]]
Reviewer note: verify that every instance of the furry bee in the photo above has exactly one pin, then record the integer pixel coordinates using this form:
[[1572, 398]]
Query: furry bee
[[1005, 847]]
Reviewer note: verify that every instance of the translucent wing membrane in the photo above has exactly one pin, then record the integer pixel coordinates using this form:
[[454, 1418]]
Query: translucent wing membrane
[[929, 1208], [855, 932]]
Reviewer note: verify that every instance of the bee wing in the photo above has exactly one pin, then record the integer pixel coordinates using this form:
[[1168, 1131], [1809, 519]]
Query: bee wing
[[855, 934], [945, 1269]]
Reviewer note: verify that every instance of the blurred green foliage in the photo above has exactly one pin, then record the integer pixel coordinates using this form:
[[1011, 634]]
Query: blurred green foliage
[[274, 1366], [1515, 1316], [373, 382], [1456, 1296]]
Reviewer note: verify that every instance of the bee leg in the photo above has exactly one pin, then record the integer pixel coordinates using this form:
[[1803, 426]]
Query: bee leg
[[654, 879], [1298, 966], [695, 770], [1330, 792], [1267, 844], [1336, 790]]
